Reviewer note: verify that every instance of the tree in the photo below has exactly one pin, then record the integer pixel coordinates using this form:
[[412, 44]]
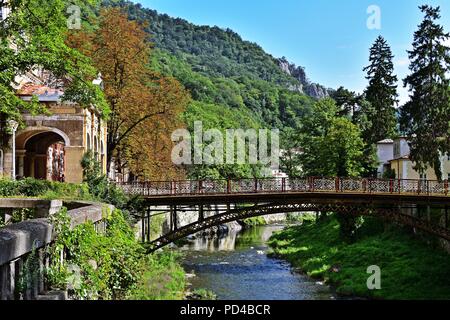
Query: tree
[[425, 119], [381, 93], [142, 101], [346, 100], [332, 145], [147, 150], [33, 36], [290, 161]]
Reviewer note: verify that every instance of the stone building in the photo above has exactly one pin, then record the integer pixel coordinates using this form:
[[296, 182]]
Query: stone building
[[51, 146]]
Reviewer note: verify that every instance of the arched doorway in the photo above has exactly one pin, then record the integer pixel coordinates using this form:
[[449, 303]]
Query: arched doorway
[[41, 155]]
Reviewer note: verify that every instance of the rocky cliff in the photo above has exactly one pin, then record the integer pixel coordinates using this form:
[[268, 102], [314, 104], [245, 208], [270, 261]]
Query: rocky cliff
[[305, 86]]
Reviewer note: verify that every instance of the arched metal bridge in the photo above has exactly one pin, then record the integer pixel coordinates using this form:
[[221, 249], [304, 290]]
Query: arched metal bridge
[[421, 204]]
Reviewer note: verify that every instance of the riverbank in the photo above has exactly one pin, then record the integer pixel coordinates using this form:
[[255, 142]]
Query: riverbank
[[163, 279], [410, 267]]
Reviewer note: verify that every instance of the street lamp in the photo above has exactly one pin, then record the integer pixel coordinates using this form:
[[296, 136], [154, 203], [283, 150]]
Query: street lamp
[[13, 125]]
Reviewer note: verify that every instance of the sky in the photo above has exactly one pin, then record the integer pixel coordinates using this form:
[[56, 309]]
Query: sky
[[330, 38]]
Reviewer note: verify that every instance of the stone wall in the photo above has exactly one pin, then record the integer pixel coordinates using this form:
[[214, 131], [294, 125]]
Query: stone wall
[[19, 240]]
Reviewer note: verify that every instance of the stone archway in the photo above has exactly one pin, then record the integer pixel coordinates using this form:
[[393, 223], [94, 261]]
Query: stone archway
[[41, 154]]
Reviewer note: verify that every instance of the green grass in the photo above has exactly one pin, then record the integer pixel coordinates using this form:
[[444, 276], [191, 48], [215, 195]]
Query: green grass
[[164, 278], [410, 268]]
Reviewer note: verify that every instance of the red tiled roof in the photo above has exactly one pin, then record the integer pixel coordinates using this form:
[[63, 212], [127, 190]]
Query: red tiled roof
[[30, 89]]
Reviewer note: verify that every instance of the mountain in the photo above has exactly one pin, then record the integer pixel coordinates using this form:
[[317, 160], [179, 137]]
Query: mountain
[[214, 52], [233, 83]]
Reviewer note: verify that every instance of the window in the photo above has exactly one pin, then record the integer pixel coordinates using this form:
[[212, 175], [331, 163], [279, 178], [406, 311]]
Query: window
[[88, 138]]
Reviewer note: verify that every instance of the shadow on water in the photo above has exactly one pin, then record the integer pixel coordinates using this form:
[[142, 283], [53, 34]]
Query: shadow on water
[[236, 267]]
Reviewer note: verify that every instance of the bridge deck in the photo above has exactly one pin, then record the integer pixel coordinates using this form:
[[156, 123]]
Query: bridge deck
[[317, 190], [393, 200]]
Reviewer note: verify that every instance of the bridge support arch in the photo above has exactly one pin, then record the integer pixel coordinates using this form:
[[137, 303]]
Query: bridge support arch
[[394, 214]]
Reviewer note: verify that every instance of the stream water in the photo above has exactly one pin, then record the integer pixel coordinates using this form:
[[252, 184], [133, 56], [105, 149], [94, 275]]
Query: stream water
[[236, 267]]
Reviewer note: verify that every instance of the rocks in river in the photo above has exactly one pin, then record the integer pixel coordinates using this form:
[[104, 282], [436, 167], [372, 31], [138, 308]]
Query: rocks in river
[[260, 252]]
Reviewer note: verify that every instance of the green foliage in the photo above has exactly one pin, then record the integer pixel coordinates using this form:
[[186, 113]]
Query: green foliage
[[259, 101], [332, 145], [29, 271], [404, 260], [202, 294], [301, 218], [209, 50], [98, 184], [164, 278], [22, 214], [425, 119], [107, 265], [290, 160], [254, 221], [346, 100], [30, 187], [348, 226], [389, 174], [156, 226]]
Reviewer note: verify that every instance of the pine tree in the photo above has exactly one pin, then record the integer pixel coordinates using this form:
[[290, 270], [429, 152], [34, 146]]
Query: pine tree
[[425, 118], [381, 93], [347, 101]]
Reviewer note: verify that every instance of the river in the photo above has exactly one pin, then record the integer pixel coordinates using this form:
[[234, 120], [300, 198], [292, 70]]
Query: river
[[236, 267]]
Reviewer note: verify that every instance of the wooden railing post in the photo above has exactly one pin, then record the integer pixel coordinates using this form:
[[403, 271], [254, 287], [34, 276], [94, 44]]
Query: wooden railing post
[[256, 185], [391, 186], [228, 186], [283, 184], [337, 184], [446, 187]]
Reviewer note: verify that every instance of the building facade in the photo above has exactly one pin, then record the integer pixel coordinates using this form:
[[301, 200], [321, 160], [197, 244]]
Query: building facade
[[51, 146], [393, 155]]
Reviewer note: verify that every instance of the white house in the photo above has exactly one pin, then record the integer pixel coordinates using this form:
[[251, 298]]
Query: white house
[[394, 155]]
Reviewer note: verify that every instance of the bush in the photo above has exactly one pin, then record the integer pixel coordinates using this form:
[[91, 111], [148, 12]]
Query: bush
[[107, 265], [112, 265], [30, 187]]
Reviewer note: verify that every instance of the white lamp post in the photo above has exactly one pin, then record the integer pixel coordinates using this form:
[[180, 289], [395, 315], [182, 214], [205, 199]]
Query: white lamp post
[[13, 125]]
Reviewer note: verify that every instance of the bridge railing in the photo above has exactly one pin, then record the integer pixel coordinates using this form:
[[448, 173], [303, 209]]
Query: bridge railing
[[280, 185]]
